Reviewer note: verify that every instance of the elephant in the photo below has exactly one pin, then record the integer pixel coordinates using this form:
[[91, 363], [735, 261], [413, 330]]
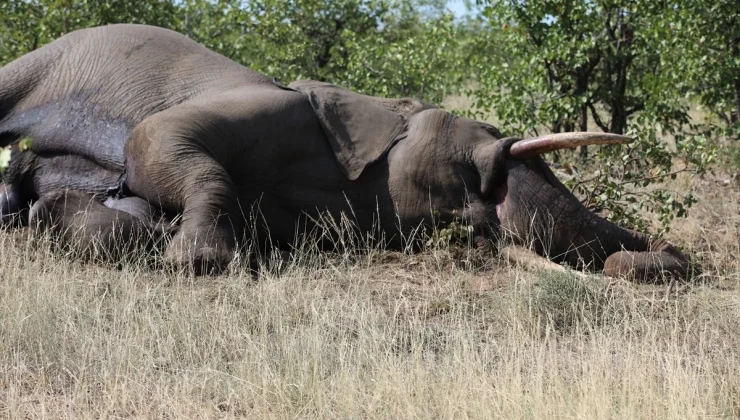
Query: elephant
[[135, 111]]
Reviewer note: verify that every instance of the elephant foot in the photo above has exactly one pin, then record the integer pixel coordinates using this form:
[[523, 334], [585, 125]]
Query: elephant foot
[[202, 257], [649, 267]]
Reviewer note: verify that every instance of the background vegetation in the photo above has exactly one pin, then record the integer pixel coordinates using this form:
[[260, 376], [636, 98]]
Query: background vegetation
[[443, 333], [623, 66]]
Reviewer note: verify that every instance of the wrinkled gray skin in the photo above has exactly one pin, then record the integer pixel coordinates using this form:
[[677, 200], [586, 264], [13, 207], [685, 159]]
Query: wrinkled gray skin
[[195, 134]]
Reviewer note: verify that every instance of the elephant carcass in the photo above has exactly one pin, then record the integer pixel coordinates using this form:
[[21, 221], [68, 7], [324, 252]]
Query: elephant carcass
[[152, 114]]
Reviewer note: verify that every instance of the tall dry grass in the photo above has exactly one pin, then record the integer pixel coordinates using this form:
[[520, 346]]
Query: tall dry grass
[[385, 335]]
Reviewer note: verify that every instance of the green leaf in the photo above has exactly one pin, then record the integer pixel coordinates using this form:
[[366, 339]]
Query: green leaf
[[4, 159]]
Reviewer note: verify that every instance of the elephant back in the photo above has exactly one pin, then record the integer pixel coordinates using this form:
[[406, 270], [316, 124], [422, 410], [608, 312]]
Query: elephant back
[[90, 88]]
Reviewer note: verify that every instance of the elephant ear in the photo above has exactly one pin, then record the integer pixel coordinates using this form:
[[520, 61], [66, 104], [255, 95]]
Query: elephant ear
[[360, 129]]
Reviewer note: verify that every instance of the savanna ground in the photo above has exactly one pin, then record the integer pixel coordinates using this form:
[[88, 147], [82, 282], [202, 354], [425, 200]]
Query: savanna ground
[[376, 335]]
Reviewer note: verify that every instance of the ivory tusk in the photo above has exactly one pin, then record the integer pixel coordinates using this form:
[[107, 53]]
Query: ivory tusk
[[529, 148]]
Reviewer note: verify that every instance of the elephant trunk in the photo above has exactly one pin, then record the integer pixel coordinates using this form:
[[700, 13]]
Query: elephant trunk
[[542, 212], [622, 252], [592, 239]]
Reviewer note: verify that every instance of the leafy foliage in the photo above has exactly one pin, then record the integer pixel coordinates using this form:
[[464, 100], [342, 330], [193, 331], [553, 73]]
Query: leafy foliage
[[630, 185], [610, 64], [28, 25], [4, 160], [453, 233], [624, 66], [710, 53], [377, 47]]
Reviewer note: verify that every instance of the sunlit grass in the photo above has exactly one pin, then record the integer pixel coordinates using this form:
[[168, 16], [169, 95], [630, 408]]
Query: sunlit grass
[[372, 334]]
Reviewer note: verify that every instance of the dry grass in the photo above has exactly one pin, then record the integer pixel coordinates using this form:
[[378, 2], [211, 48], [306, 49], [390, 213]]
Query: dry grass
[[383, 336]]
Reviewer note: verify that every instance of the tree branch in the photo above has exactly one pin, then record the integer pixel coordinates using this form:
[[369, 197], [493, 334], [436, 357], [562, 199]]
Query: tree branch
[[651, 178], [596, 117]]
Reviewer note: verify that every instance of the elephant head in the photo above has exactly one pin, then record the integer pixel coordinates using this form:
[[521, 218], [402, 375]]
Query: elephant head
[[457, 167], [503, 188]]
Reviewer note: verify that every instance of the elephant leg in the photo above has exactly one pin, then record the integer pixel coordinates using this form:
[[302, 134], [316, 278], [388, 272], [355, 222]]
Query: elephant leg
[[79, 222], [183, 158], [167, 167]]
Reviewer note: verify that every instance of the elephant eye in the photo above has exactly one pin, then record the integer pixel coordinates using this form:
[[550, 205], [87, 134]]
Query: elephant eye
[[490, 129]]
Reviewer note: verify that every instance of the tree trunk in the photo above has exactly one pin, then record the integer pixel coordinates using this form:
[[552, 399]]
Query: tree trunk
[[735, 118], [736, 54], [619, 117], [583, 121], [556, 126]]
